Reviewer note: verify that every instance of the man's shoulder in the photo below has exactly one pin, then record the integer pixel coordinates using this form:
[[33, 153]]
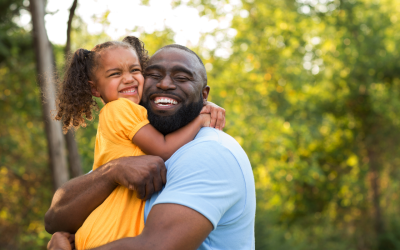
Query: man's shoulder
[[215, 152], [211, 139], [211, 175], [212, 134]]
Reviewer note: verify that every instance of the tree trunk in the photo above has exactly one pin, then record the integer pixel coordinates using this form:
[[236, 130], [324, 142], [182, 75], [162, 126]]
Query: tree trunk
[[69, 27], [46, 71], [373, 148], [74, 159], [374, 180]]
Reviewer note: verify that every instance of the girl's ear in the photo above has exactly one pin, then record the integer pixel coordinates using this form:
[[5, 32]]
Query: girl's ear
[[94, 89]]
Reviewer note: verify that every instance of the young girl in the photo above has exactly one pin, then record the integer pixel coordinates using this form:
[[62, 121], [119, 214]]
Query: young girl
[[113, 71]]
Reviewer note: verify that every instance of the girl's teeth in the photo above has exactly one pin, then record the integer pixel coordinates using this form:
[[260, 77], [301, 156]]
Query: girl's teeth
[[129, 91]]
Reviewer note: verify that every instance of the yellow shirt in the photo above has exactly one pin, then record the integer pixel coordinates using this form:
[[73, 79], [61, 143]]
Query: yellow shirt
[[122, 213]]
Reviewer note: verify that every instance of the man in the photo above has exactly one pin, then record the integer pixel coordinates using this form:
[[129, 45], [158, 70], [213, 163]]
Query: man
[[209, 198]]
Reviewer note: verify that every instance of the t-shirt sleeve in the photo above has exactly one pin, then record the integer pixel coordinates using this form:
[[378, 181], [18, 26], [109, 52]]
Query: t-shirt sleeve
[[206, 178], [122, 119]]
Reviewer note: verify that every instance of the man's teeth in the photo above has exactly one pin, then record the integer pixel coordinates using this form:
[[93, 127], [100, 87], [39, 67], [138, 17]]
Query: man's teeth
[[163, 101]]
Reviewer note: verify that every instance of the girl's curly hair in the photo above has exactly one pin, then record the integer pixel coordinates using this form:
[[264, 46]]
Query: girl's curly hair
[[74, 100]]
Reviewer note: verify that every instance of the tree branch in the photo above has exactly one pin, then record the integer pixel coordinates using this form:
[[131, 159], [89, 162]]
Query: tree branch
[[69, 28]]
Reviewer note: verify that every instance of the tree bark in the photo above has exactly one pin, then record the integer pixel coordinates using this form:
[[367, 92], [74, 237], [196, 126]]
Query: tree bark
[[374, 180], [45, 70], [69, 27], [74, 159]]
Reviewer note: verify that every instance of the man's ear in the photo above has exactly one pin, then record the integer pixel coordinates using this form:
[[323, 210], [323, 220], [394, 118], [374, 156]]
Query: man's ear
[[94, 89], [205, 91]]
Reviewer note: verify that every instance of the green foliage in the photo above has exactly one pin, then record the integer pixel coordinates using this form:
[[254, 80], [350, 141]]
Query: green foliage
[[25, 178], [156, 40], [313, 97]]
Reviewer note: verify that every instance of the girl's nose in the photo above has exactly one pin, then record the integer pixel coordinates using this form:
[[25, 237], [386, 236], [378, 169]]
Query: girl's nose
[[128, 78]]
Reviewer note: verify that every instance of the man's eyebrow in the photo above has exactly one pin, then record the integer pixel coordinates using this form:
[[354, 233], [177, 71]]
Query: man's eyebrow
[[183, 69], [154, 66]]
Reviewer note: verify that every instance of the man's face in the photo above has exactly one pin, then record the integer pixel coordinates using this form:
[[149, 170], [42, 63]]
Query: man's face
[[173, 92]]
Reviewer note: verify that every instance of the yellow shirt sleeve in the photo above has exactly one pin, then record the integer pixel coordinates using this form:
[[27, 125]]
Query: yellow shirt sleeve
[[122, 119]]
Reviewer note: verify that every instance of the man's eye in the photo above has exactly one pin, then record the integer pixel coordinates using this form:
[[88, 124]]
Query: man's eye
[[181, 79], [135, 70], [114, 74]]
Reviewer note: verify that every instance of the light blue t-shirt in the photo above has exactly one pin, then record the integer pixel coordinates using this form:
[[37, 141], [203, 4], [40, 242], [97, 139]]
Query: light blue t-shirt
[[212, 175]]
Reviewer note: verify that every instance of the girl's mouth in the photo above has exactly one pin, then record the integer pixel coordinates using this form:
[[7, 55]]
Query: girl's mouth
[[129, 91]]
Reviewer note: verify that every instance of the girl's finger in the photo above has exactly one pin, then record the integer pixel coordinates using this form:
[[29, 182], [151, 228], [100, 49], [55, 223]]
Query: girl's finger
[[220, 120], [224, 114], [214, 117]]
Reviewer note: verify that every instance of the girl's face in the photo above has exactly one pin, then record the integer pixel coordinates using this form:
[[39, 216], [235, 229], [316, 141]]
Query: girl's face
[[119, 75]]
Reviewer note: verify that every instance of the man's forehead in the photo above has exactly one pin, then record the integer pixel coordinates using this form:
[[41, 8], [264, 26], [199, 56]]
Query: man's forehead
[[169, 56]]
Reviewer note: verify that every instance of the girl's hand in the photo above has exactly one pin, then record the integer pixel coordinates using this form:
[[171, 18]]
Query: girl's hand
[[217, 115], [61, 241], [206, 119]]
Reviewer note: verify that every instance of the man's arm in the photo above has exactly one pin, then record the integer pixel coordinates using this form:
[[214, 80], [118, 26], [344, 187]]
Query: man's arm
[[168, 227], [76, 199], [204, 181]]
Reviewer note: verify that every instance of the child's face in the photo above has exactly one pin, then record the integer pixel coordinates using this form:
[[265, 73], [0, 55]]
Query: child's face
[[119, 75]]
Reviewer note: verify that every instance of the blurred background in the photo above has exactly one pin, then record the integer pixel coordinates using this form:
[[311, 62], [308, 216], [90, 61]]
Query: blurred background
[[311, 89]]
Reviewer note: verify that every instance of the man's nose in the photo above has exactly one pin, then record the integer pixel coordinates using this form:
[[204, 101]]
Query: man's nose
[[166, 84]]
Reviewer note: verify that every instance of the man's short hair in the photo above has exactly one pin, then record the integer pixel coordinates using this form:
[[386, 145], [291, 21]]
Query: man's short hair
[[181, 47]]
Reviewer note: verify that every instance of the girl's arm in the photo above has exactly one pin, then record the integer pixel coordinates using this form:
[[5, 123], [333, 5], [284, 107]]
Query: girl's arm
[[152, 142], [217, 115]]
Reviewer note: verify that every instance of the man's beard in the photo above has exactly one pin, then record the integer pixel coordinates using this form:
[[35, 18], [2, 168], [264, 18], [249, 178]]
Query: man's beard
[[182, 117]]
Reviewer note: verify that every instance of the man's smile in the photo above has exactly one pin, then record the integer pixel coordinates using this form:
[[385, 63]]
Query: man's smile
[[164, 101]]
